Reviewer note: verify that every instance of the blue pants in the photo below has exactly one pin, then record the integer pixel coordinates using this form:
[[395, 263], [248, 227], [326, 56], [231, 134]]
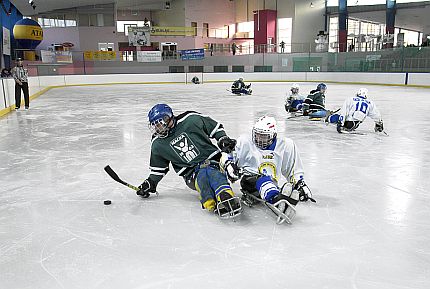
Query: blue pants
[[210, 182], [297, 104], [334, 118], [318, 114]]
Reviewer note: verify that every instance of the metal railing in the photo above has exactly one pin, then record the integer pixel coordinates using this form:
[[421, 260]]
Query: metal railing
[[297, 58]]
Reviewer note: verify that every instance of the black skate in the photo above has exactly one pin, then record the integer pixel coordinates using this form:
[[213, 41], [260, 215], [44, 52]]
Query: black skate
[[228, 206]]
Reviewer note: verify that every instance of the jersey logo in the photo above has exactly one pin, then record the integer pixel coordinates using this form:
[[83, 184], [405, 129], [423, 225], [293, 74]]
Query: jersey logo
[[184, 147], [269, 156], [268, 169]]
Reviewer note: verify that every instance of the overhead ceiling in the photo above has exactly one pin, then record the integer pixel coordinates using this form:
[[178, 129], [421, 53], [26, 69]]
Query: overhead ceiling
[[43, 6]]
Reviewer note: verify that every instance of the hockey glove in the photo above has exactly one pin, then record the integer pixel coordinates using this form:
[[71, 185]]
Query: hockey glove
[[305, 193], [226, 144], [379, 126], [147, 187], [232, 171], [339, 127]]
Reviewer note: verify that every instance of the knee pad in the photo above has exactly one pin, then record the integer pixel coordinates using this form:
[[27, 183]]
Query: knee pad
[[267, 188]]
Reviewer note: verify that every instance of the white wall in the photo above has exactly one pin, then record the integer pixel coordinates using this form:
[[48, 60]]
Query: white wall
[[60, 35], [39, 83], [175, 16], [215, 13], [307, 22]]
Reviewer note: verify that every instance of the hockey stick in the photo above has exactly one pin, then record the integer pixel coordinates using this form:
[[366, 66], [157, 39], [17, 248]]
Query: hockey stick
[[114, 176]]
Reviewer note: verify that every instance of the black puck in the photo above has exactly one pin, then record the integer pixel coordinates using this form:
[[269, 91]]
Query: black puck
[[107, 202]]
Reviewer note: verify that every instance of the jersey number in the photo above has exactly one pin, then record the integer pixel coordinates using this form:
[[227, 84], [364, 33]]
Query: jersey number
[[363, 107]]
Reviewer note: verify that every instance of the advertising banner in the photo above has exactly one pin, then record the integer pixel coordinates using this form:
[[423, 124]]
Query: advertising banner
[[139, 36], [6, 41], [149, 56], [173, 31], [193, 54]]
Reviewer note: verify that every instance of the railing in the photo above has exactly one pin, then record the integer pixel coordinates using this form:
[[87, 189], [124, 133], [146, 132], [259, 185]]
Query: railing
[[295, 58]]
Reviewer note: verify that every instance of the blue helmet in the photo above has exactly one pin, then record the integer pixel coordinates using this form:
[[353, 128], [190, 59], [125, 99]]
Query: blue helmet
[[321, 86], [159, 117]]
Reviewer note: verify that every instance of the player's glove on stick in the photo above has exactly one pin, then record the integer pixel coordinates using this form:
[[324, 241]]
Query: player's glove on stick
[[226, 144], [379, 126], [232, 171], [147, 187]]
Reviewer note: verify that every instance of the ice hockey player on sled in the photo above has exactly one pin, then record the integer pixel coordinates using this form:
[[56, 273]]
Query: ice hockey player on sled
[[195, 80], [354, 111], [183, 141], [293, 99], [271, 166], [314, 104], [239, 87]]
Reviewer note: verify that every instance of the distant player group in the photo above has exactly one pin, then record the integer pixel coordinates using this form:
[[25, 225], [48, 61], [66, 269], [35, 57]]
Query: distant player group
[[268, 166], [353, 112]]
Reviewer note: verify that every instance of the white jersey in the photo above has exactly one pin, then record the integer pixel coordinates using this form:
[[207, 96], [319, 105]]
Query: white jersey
[[289, 97], [282, 162], [357, 109]]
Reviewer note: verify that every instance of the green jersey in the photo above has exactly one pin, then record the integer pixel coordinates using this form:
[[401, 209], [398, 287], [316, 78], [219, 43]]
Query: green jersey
[[187, 145], [314, 101]]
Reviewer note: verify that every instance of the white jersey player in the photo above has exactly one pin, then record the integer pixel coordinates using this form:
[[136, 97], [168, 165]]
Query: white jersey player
[[268, 162], [354, 111], [293, 99]]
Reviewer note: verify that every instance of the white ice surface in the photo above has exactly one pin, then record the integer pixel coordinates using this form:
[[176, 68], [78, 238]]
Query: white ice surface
[[369, 229]]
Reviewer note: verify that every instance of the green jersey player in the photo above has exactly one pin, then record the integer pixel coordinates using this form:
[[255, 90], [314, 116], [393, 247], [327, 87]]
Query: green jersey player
[[184, 142]]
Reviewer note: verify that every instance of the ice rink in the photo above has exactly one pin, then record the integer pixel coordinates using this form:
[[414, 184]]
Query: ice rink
[[370, 227]]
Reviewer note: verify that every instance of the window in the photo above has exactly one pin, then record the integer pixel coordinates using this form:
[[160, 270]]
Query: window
[[194, 25], [220, 68], [55, 21], [238, 68], [246, 27], [333, 34], [335, 3], [206, 29], [284, 34]]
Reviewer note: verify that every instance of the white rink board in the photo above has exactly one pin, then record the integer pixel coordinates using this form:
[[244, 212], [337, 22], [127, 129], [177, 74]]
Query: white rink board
[[39, 83], [419, 79]]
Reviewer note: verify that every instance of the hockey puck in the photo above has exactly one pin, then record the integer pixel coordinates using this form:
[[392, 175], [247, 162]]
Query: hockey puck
[[107, 202]]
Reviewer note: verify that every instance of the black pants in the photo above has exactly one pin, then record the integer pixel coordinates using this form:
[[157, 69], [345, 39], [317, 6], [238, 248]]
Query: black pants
[[24, 88]]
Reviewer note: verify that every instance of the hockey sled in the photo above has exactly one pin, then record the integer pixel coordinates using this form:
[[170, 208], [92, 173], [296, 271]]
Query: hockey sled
[[281, 217]]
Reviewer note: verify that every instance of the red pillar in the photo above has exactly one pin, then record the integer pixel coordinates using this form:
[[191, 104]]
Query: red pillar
[[264, 28]]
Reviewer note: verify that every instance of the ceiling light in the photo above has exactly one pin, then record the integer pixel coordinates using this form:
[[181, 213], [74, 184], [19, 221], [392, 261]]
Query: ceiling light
[[312, 5]]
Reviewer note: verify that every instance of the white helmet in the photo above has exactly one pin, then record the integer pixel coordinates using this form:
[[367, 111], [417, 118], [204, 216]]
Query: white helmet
[[264, 132], [362, 92], [295, 88]]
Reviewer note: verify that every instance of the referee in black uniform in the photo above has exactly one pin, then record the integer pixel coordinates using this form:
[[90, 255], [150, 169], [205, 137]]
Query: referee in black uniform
[[20, 74]]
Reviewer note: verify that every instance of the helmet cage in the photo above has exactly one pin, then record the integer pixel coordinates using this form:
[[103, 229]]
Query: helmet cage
[[263, 138], [160, 126]]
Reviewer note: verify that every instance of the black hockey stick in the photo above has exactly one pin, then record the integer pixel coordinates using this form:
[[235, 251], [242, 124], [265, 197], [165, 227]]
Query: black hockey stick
[[114, 176]]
